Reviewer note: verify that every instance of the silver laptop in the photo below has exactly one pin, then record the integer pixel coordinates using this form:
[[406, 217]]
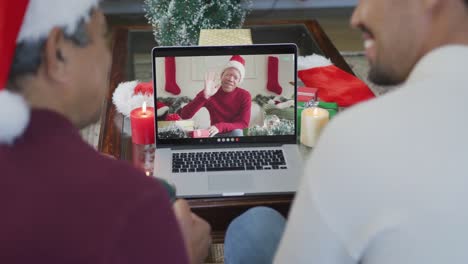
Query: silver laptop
[[226, 119]]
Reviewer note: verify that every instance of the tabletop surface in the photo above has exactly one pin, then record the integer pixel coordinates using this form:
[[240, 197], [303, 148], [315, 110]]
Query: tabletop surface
[[131, 46]]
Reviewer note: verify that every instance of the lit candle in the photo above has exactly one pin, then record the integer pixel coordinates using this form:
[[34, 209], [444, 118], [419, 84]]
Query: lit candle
[[142, 122], [313, 120]]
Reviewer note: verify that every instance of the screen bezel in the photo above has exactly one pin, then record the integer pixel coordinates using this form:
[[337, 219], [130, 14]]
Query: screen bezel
[[193, 51]]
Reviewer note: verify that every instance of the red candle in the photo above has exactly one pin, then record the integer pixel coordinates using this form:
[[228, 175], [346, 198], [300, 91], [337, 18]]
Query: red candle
[[142, 122]]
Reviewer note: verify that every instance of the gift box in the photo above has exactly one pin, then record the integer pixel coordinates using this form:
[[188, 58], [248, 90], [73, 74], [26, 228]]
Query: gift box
[[223, 37], [306, 94], [200, 133], [186, 125]]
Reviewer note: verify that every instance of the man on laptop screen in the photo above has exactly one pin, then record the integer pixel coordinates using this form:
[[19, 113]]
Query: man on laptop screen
[[229, 105]]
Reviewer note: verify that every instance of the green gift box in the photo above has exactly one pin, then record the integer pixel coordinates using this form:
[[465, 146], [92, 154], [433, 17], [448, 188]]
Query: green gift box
[[328, 105]]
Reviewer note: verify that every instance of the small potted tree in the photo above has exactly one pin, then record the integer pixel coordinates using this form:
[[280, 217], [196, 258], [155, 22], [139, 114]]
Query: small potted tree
[[178, 22]]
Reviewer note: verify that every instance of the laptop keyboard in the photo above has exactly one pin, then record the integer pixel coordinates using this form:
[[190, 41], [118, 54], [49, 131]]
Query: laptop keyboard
[[228, 161]]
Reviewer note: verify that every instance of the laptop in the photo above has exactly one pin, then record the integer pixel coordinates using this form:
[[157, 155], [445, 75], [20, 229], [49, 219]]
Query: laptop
[[238, 136]]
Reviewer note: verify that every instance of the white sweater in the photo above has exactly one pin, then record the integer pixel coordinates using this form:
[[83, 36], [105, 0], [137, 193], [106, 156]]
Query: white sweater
[[388, 181]]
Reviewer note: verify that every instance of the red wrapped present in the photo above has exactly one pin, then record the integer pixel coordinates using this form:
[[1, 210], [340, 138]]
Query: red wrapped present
[[173, 117], [306, 94], [200, 133]]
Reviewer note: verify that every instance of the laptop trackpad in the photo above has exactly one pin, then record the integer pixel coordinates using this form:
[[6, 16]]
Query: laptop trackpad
[[230, 182]]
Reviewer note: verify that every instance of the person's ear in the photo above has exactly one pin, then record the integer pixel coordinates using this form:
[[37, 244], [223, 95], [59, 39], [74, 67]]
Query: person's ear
[[55, 59]]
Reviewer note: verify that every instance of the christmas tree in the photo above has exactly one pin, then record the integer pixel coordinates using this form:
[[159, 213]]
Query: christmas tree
[[178, 22]]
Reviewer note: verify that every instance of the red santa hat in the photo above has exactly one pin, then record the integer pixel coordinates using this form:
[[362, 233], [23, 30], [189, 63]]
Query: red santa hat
[[130, 95], [238, 63], [333, 84], [29, 20]]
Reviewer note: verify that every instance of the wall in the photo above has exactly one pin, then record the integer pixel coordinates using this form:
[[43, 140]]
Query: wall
[[190, 73]]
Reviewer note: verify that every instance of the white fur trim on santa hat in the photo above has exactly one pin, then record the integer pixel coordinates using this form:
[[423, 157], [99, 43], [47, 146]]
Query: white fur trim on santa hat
[[14, 116], [125, 100], [312, 61], [43, 15], [238, 66], [162, 110]]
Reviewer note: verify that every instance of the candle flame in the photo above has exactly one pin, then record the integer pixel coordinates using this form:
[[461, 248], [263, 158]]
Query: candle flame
[[144, 107], [315, 111]]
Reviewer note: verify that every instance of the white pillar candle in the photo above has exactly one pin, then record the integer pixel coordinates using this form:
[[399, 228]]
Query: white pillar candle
[[313, 120]]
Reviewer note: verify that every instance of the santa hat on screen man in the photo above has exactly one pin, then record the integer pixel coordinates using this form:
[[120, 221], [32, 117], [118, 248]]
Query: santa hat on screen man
[[22, 21], [238, 63]]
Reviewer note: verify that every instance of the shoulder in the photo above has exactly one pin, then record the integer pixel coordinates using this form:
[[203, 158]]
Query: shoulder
[[355, 146], [243, 93], [354, 156], [360, 123]]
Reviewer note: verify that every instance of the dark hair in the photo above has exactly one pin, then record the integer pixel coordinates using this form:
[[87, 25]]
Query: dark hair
[[28, 54]]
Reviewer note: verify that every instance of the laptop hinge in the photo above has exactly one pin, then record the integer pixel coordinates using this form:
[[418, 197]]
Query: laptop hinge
[[249, 145]]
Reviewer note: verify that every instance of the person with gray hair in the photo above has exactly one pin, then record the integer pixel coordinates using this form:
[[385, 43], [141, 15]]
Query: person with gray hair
[[61, 201], [387, 180]]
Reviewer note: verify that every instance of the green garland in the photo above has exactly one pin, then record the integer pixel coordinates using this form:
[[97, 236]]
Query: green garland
[[170, 132], [178, 22], [281, 127]]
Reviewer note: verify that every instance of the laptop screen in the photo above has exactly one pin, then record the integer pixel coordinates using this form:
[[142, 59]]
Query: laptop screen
[[225, 95]]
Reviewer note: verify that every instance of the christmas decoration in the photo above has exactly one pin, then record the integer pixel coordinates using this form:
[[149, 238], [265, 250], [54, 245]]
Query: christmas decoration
[[144, 88], [331, 107], [130, 95], [22, 21], [261, 100], [178, 22], [313, 120], [174, 103], [273, 84], [305, 94], [276, 105], [282, 113], [161, 109], [170, 132], [334, 84], [173, 117], [142, 124], [271, 121], [200, 133], [283, 127], [281, 105], [186, 125], [171, 84]]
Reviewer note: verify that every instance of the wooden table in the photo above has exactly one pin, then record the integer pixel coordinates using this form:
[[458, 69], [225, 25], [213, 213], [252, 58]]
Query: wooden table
[[128, 40]]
